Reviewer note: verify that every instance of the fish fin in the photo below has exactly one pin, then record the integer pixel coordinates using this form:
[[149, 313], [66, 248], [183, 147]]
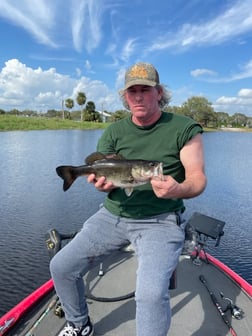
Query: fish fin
[[96, 156], [128, 191], [66, 173], [115, 157]]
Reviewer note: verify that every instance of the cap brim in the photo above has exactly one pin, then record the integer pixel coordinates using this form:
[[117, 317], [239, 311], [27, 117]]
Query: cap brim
[[140, 82]]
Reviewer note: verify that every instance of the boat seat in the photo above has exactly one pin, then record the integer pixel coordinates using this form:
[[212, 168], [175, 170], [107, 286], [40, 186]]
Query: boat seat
[[129, 248], [53, 240]]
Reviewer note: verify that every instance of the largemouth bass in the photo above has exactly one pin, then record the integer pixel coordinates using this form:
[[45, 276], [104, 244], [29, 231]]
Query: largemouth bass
[[123, 173]]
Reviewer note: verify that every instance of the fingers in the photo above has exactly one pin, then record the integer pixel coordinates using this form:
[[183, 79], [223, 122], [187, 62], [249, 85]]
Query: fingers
[[100, 183], [164, 186], [91, 178], [158, 178]]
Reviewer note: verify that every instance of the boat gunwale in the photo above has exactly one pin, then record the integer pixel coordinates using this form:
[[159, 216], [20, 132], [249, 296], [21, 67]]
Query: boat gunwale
[[242, 283], [9, 319], [12, 317]]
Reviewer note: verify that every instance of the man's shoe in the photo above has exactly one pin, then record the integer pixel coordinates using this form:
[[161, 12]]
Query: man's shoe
[[71, 330]]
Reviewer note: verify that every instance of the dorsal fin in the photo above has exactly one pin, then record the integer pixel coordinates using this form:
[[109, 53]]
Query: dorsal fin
[[115, 157], [96, 156]]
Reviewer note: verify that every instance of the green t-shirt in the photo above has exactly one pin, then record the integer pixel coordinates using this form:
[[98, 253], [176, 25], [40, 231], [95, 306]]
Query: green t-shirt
[[162, 142]]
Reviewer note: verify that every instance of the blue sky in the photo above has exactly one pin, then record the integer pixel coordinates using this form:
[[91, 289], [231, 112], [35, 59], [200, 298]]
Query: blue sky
[[50, 50]]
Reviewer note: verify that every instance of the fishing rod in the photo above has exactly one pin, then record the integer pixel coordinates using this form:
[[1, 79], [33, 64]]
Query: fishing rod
[[218, 306], [236, 311], [51, 304]]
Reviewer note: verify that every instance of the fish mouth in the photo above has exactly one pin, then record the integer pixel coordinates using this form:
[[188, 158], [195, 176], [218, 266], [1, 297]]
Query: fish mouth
[[158, 170]]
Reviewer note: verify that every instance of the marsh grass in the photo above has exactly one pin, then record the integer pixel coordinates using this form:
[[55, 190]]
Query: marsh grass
[[20, 123], [14, 123]]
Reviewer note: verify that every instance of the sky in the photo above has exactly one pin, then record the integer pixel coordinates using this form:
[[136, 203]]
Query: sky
[[51, 50]]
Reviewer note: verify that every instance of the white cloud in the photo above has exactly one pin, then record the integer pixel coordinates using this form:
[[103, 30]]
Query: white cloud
[[226, 100], [202, 72], [86, 22], [44, 21], [78, 72], [120, 78], [245, 93], [241, 103], [128, 49], [37, 19], [235, 21], [88, 66], [22, 87], [245, 71]]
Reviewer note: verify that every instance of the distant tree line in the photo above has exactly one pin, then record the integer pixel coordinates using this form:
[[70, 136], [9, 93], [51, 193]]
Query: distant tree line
[[201, 110], [198, 108]]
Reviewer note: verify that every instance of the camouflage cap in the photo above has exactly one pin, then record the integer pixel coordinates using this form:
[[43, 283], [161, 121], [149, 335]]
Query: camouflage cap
[[141, 74]]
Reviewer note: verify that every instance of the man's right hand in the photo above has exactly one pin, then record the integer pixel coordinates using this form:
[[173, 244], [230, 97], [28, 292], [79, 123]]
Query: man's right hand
[[101, 184]]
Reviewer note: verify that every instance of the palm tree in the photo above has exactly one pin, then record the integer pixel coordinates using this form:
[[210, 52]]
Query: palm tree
[[89, 111], [69, 103], [81, 100]]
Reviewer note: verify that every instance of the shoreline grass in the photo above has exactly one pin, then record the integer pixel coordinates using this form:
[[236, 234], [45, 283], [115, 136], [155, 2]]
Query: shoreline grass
[[20, 123]]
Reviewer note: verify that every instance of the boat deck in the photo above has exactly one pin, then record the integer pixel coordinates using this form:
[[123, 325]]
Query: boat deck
[[194, 314]]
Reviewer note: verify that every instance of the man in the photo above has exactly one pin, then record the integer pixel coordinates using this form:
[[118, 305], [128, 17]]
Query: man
[[150, 219]]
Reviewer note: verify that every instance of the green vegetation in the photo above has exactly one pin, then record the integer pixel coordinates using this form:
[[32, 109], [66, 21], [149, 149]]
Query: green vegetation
[[11, 123], [198, 108], [201, 110]]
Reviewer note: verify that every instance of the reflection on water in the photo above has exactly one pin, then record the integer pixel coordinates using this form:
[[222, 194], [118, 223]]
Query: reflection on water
[[32, 201]]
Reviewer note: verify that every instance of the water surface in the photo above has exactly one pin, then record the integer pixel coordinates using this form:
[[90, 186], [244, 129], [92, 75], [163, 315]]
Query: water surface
[[32, 201]]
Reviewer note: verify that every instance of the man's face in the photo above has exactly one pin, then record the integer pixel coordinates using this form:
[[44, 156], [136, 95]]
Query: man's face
[[143, 101]]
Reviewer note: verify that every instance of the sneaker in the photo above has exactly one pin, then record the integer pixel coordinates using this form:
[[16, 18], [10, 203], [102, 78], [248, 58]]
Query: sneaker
[[71, 330]]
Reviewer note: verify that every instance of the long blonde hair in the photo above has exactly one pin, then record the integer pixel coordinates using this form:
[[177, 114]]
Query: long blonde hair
[[165, 99]]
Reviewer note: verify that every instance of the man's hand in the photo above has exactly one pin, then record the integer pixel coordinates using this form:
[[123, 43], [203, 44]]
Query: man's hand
[[165, 187], [101, 184]]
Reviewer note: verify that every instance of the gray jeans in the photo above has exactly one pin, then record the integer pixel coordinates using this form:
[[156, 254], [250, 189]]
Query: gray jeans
[[158, 242]]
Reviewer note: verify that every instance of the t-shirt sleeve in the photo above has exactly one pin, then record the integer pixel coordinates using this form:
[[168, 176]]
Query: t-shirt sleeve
[[189, 132], [105, 144]]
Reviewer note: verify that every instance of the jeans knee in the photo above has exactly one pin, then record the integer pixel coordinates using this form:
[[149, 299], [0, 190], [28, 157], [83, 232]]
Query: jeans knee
[[57, 266], [152, 295]]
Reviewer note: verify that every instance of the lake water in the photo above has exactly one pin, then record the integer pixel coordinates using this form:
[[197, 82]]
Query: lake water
[[32, 201]]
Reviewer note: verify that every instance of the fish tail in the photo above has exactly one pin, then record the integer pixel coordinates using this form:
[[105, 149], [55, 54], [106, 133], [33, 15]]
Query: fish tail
[[67, 175]]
